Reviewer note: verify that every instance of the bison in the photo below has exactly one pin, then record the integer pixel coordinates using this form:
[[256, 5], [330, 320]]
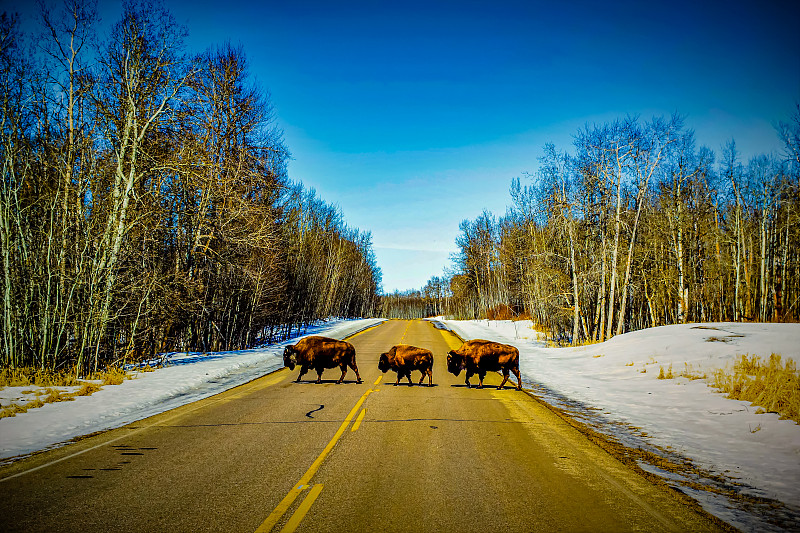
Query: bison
[[320, 353], [403, 358], [480, 356]]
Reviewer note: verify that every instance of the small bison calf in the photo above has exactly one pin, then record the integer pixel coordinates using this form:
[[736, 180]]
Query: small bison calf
[[479, 356], [320, 353], [403, 358]]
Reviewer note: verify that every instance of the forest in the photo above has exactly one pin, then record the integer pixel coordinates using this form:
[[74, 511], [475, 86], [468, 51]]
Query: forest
[[636, 226], [146, 207], [145, 204]]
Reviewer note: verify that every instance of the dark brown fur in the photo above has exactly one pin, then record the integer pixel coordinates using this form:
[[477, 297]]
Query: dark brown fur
[[320, 353], [404, 358], [479, 356]]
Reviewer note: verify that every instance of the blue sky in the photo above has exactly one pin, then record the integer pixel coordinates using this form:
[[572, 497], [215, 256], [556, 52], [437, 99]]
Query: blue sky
[[413, 116]]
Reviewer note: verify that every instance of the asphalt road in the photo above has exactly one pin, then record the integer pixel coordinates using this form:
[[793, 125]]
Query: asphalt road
[[278, 455]]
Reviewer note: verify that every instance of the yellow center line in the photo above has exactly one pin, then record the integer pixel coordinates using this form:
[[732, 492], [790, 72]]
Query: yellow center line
[[378, 380], [357, 423], [287, 501], [301, 511], [405, 331]]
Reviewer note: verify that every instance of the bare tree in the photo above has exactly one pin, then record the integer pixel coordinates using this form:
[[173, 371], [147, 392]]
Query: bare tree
[[143, 70]]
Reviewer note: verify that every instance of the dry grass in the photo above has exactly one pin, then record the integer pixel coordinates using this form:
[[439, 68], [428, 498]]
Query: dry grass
[[55, 395], [24, 376], [87, 389], [690, 373], [14, 409], [539, 328], [586, 342], [770, 384], [112, 376], [49, 395], [666, 375], [564, 344], [49, 380], [27, 376]]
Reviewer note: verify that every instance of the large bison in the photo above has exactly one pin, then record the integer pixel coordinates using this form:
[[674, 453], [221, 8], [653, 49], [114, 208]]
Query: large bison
[[480, 356], [320, 353], [403, 358]]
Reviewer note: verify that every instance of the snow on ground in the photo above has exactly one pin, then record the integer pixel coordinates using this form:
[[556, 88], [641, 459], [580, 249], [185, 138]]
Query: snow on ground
[[185, 378], [718, 434]]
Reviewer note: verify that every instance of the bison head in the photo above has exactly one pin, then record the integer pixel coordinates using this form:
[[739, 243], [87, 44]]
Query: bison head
[[383, 363], [455, 362], [290, 357]]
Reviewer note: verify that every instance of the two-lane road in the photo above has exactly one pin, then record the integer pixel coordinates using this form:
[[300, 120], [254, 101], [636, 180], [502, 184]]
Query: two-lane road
[[273, 454]]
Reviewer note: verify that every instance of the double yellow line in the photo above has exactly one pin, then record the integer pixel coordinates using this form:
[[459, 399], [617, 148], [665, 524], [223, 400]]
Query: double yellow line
[[303, 483]]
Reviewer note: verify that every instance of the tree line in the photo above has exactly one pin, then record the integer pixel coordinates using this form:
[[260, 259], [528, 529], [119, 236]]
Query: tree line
[[145, 204], [636, 227]]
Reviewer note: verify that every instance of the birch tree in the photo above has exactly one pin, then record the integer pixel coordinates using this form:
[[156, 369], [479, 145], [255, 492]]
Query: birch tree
[[143, 70], [13, 72]]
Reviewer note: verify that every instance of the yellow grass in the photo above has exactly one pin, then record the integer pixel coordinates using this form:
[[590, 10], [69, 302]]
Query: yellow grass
[[689, 372], [558, 344], [586, 342], [55, 395], [25, 376], [666, 375], [13, 409], [770, 384], [539, 328], [49, 380], [87, 389], [112, 376]]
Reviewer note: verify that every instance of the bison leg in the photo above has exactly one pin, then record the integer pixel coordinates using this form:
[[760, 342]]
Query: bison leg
[[408, 375], [397, 381], [344, 371], [505, 378], [303, 370], [428, 372], [481, 375], [354, 366], [519, 379], [319, 374], [469, 375]]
